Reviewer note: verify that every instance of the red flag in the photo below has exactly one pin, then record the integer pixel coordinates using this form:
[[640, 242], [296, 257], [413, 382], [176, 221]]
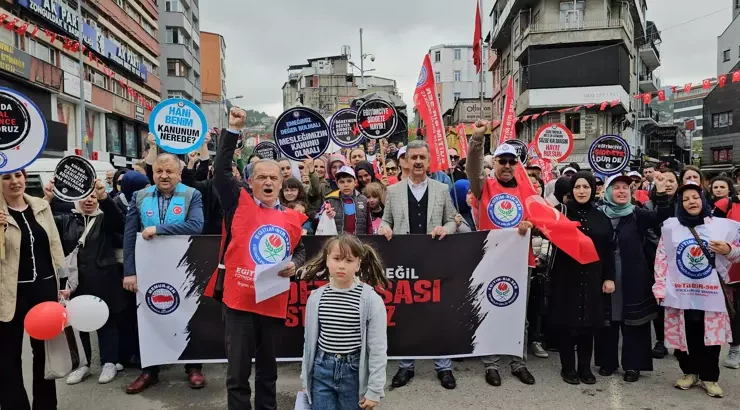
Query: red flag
[[534, 117], [477, 39], [661, 95], [615, 103], [590, 105], [546, 169], [426, 102], [508, 131], [673, 88], [646, 98], [722, 80], [736, 77], [575, 109], [525, 118], [690, 125], [462, 139], [706, 84], [603, 106], [687, 88]]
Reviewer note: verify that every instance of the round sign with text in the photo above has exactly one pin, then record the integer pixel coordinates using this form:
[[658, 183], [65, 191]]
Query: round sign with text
[[301, 133], [23, 131], [179, 126], [377, 119], [553, 141], [344, 130], [267, 150], [609, 154], [521, 149], [74, 179]]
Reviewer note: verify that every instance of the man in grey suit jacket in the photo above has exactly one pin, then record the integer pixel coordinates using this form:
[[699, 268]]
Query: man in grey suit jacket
[[419, 205]]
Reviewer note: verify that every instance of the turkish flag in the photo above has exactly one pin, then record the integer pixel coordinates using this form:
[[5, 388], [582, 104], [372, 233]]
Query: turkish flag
[[477, 39], [661, 95], [722, 80], [525, 118], [674, 88], [591, 105], [736, 77], [534, 117], [615, 103], [646, 98], [706, 84], [687, 88], [603, 106]]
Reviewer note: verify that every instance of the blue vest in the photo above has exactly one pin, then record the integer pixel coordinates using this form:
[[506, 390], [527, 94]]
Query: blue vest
[[147, 202]]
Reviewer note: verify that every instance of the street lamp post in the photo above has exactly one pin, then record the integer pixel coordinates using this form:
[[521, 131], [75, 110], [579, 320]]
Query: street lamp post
[[220, 105], [363, 56]]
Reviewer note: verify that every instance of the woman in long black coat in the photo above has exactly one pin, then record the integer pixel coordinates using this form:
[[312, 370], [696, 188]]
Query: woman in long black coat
[[632, 306], [577, 290], [90, 230]]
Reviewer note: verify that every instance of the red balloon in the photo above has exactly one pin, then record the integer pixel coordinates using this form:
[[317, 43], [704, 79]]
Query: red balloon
[[46, 320]]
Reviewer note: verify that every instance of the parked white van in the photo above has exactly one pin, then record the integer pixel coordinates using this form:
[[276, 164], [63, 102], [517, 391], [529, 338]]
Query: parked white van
[[41, 171]]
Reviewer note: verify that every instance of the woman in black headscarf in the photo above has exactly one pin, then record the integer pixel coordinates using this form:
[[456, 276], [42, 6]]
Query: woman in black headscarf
[[365, 174], [577, 290], [117, 182]]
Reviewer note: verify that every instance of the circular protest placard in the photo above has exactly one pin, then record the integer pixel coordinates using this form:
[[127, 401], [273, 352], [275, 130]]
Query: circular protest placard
[[267, 150], [178, 125], [344, 130], [301, 133], [609, 154], [23, 131], [521, 149], [553, 141], [74, 179], [377, 119]]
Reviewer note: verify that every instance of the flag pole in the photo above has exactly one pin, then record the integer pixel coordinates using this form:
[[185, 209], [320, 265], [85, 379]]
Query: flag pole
[[482, 93]]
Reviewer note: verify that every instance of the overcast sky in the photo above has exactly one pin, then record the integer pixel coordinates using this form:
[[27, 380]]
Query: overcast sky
[[264, 37]]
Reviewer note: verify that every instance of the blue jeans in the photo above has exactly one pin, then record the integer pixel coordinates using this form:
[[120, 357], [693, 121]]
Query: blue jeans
[[335, 384], [439, 364]]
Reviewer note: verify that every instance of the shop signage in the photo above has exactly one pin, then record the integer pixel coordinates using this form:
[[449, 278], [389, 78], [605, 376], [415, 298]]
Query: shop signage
[[23, 132], [72, 87], [15, 61], [469, 111], [139, 113], [67, 19]]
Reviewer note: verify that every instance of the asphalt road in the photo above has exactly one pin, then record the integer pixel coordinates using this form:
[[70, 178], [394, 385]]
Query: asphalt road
[[653, 392]]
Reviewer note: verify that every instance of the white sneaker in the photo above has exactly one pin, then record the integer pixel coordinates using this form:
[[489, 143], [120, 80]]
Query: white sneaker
[[78, 375], [119, 367], [108, 373], [539, 351], [733, 358]]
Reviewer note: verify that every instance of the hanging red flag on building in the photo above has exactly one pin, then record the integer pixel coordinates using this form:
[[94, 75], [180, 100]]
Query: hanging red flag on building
[[534, 117], [736, 77], [615, 103], [706, 84], [722, 80], [525, 118], [661, 95], [687, 88], [462, 140], [508, 130], [591, 105], [674, 88], [477, 39], [690, 125], [646, 98], [427, 103], [603, 106]]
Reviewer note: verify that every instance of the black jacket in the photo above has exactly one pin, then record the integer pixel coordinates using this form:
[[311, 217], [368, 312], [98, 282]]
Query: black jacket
[[100, 274], [213, 214], [576, 299]]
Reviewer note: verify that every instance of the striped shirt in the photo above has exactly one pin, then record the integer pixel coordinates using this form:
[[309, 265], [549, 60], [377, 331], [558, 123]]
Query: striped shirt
[[339, 320]]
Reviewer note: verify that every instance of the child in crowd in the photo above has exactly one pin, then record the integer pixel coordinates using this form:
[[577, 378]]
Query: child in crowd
[[293, 190], [347, 207], [300, 206], [375, 193], [345, 343]]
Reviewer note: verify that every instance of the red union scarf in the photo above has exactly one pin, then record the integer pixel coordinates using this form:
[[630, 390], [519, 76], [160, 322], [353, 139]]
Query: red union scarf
[[426, 102], [508, 131], [463, 140]]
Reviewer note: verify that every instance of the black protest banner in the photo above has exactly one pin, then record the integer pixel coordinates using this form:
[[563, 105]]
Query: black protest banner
[[377, 119], [609, 154], [301, 133], [343, 127], [522, 150], [74, 178], [23, 131], [267, 150]]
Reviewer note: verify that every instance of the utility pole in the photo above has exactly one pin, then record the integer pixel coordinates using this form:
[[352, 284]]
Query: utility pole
[[80, 137], [362, 64]]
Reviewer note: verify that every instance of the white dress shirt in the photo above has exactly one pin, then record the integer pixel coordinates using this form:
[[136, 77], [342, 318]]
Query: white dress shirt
[[419, 189]]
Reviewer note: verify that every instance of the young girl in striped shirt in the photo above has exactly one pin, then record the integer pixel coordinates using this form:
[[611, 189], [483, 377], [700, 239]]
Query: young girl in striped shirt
[[344, 353]]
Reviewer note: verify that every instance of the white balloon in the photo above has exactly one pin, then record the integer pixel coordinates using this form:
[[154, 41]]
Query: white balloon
[[87, 313]]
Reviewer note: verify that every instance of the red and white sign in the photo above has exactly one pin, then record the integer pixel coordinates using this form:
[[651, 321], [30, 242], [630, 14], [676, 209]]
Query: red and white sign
[[462, 139], [553, 141], [426, 102]]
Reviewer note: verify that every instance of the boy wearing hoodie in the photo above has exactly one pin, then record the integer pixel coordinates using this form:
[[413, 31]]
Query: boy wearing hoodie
[[347, 207]]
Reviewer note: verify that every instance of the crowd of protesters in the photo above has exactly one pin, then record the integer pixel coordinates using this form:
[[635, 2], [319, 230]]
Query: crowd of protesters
[[636, 221]]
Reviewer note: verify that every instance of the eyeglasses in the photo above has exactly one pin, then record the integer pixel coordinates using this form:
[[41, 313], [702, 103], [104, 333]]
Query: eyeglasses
[[504, 161], [391, 169], [455, 157]]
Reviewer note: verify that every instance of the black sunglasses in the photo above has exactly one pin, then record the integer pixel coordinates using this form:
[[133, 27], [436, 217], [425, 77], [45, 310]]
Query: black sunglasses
[[455, 157], [504, 161]]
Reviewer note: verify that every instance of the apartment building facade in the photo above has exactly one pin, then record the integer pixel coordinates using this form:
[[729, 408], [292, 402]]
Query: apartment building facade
[[213, 78], [455, 74], [728, 43], [179, 36], [566, 53], [721, 139], [120, 83]]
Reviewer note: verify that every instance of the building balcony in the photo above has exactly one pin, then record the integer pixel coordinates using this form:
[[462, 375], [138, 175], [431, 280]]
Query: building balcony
[[649, 83], [557, 98], [133, 28], [589, 31], [182, 84], [647, 116], [179, 52], [650, 55], [176, 19], [493, 59]]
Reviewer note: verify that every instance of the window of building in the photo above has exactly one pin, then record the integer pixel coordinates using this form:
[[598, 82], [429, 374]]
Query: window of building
[[737, 4], [573, 122], [120, 3], [457, 96], [175, 94], [688, 103], [436, 77], [722, 155], [723, 119], [437, 56], [176, 68], [133, 13], [148, 27], [113, 136], [131, 144], [458, 54], [172, 5], [457, 75], [439, 98], [174, 36], [571, 12], [726, 55]]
